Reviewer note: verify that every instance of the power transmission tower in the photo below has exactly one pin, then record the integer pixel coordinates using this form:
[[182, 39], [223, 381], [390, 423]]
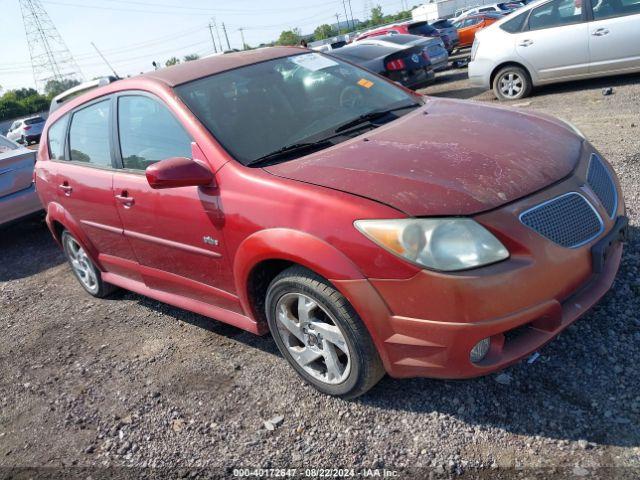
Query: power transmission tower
[[50, 57]]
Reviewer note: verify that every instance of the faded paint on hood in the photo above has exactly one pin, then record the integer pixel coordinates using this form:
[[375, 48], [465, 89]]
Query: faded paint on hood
[[446, 158]]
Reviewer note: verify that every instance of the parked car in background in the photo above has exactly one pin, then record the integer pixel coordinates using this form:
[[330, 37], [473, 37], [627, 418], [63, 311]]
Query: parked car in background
[[445, 27], [328, 44], [420, 28], [556, 41], [408, 66], [432, 47], [469, 26], [368, 228], [27, 130], [18, 197]]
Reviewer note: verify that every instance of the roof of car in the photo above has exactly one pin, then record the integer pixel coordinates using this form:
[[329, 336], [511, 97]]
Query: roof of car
[[189, 71]]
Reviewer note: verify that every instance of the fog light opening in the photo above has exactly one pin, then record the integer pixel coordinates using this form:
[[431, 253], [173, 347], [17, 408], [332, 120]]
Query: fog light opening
[[480, 350]]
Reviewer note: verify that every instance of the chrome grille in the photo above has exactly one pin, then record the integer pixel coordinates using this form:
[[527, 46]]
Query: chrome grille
[[568, 220], [600, 181]]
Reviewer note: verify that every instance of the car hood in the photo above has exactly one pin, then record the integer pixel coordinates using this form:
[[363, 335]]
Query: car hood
[[446, 158]]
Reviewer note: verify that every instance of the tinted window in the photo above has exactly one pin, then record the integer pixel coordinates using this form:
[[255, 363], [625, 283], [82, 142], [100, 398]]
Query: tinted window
[[442, 24], [34, 120], [554, 14], [56, 137], [255, 110], [149, 133], [614, 8], [515, 24], [89, 135], [423, 29]]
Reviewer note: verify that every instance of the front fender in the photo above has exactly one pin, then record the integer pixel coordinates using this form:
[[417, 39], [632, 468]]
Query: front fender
[[57, 213], [294, 246]]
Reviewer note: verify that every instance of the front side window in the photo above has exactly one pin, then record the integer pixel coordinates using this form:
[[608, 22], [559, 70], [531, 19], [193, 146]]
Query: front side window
[[603, 9], [255, 110], [89, 135], [56, 137], [149, 133], [555, 14]]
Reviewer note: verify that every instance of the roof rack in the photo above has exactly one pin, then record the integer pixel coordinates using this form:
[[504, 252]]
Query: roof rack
[[67, 95]]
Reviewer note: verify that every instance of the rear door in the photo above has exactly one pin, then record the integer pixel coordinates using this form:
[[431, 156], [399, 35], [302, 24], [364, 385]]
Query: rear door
[[614, 36], [176, 233], [555, 41], [85, 183]]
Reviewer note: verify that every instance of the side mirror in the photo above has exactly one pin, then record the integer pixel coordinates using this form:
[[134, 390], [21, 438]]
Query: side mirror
[[179, 172]]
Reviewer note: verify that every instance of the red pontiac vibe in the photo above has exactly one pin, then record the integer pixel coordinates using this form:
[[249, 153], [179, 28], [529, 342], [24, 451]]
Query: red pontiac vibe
[[368, 228]]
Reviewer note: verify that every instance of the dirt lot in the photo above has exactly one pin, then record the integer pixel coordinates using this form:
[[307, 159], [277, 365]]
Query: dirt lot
[[131, 382]]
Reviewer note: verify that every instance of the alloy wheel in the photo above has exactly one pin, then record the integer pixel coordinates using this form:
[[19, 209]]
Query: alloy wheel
[[81, 264], [511, 85], [313, 339]]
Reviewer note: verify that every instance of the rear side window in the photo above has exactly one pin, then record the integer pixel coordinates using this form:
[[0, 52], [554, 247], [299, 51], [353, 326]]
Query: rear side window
[[149, 133], [56, 138], [89, 135], [614, 8], [423, 29], [555, 14], [516, 24]]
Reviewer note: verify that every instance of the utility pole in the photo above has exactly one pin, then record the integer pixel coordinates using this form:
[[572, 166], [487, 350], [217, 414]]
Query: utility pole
[[224, 29], [242, 37], [215, 49], [105, 60], [346, 15], [338, 23], [353, 22], [215, 25]]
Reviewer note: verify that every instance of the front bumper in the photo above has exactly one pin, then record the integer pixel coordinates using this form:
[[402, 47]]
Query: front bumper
[[427, 325]]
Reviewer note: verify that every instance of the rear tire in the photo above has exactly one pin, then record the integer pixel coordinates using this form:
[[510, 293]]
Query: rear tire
[[512, 83], [83, 268], [320, 334]]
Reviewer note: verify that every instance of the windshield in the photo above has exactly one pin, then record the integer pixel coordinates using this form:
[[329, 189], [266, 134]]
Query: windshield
[[256, 110], [34, 120]]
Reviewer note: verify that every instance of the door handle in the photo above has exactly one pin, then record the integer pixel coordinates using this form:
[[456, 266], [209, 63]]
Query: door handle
[[525, 43], [599, 32], [125, 200], [66, 188]]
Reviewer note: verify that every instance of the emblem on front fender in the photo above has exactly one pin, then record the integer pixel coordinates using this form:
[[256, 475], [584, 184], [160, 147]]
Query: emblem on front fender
[[210, 240]]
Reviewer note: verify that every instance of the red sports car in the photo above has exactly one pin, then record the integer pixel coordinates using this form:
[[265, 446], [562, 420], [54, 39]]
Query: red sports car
[[368, 228]]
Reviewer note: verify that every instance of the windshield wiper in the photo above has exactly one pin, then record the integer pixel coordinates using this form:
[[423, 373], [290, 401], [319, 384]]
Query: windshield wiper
[[288, 150], [372, 115]]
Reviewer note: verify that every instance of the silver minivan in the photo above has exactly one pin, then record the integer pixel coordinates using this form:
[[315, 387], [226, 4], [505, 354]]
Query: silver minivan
[[554, 41]]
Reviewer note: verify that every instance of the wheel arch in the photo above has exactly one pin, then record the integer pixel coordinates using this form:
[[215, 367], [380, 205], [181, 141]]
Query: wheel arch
[[263, 255], [510, 63]]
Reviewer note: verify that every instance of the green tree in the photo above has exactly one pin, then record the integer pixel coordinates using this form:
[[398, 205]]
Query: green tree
[[377, 17], [55, 87], [35, 104], [172, 61], [322, 32], [191, 57], [10, 109], [289, 37]]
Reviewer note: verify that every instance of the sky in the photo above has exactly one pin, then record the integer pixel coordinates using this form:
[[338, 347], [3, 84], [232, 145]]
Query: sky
[[133, 33]]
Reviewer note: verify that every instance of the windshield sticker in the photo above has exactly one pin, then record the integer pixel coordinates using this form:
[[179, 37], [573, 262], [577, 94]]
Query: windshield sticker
[[363, 82], [313, 61]]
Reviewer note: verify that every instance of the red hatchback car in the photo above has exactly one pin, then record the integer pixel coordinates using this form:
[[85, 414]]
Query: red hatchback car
[[368, 228]]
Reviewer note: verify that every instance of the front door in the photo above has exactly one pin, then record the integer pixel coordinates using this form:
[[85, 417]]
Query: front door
[[614, 36], [555, 44], [85, 183], [175, 233]]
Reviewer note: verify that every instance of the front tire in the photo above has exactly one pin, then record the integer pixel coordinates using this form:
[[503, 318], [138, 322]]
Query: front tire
[[512, 83], [83, 268], [321, 335]]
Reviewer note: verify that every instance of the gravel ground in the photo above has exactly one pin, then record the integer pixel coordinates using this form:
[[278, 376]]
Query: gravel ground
[[131, 382]]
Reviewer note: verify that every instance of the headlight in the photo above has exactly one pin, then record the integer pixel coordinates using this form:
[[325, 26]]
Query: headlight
[[445, 244]]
